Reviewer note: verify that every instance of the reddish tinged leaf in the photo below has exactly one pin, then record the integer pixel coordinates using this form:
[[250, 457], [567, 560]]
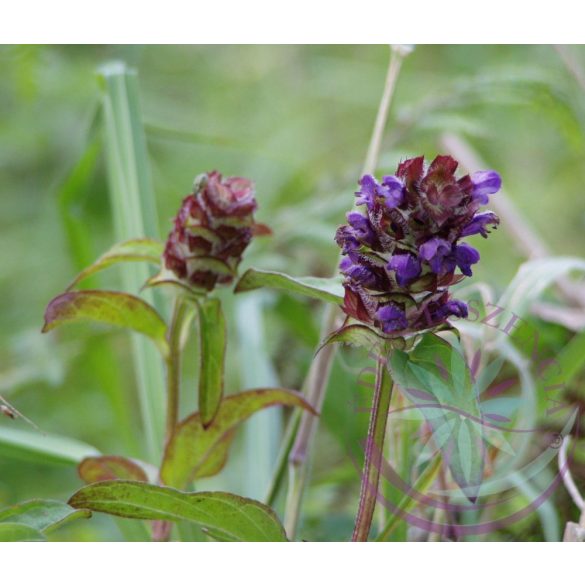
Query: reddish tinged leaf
[[108, 467], [226, 516], [195, 451], [114, 308]]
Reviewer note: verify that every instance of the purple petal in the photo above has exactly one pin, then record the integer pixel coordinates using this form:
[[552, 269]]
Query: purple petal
[[485, 183], [455, 308], [359, 274], [368, 189], [346, 239], [393, 191], [391, 318], [465, 256], [406, 266], [437, 252], [480, 223], [362, 228]]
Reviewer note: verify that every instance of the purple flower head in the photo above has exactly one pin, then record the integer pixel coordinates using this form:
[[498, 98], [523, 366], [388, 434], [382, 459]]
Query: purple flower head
[[406, 266], [391, 318], [485, 183], [479, 224], [404, 251]]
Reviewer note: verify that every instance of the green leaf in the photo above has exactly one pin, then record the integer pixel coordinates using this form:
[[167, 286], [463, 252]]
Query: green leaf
[[93, 469], [212, 334], [114, 308], [231, 517], [142, 249], [14, 532], [42, 515], [324, 289], [37, 447], [436, 378], [195, 451]]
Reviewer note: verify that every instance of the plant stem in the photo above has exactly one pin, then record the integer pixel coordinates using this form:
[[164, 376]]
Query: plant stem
[[174, 367], [373, 452], [315, 384], [161, 529]]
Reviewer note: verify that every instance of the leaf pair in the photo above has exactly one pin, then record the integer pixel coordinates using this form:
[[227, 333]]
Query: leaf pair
[[197, 450]]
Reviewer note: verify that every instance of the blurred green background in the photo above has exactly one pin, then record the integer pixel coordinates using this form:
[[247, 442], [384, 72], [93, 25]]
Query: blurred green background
[[297, 120]]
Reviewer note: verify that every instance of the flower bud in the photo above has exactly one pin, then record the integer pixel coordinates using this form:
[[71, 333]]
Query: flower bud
[[212, 229]]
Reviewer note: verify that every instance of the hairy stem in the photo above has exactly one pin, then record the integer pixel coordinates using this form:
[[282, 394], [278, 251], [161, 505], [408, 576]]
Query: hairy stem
[[373, 453], [317, 378]]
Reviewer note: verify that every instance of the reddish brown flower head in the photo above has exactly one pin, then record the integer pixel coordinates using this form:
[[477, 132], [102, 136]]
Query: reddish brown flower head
[[211, 231]]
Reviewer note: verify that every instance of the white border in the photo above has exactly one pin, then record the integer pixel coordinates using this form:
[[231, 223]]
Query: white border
[[298, 21], [293, 563]]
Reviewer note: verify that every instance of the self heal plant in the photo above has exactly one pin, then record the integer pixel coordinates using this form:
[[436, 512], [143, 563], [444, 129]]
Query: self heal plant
[[403, 254], [400, 259], [211, 230]]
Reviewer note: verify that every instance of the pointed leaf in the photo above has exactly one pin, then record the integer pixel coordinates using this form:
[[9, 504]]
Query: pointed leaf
[[212, 336], [41, 515], [114, 308], [93, 469], [232, 517], [14, 532], [195, 451], [324, 289], [142, 249]]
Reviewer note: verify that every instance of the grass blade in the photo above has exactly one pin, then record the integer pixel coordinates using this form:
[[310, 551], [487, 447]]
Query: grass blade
[[135, 216]]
